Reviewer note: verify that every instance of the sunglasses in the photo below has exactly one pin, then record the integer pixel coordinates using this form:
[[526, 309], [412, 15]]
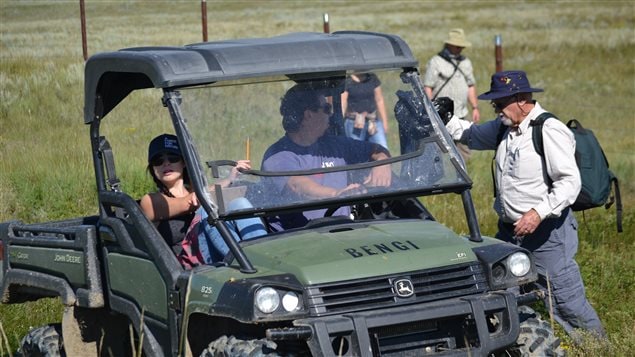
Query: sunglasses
[[159, 160], [327, 108], [501, 104]]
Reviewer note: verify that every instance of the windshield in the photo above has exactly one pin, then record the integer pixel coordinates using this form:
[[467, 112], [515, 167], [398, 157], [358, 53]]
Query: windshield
[[296, 136]]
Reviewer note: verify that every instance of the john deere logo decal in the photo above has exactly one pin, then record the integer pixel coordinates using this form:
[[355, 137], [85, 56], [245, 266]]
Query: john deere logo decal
[[403, 288]]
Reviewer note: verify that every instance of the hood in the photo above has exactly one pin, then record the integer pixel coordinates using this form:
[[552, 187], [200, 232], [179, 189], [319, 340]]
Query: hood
[[359, 250]]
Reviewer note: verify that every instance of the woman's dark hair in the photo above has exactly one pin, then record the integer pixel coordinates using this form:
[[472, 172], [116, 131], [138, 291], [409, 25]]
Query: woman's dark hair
[[160, 186]]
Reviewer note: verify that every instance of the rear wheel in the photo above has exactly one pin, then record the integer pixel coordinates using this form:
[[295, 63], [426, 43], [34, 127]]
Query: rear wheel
[[536, 337], [44, 341], [231, 346]]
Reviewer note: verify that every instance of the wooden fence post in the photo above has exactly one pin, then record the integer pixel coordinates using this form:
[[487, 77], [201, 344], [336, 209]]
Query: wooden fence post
[[82, 16], [204, 19]]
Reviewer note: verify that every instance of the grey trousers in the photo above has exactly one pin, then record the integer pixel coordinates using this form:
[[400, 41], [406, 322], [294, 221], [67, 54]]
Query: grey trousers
[[554, 245]]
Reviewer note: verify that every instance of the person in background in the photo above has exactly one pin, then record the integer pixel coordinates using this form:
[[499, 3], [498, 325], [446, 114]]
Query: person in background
[[305, 118], [364, 109], [174, 208], [532, 199], [450, 74]]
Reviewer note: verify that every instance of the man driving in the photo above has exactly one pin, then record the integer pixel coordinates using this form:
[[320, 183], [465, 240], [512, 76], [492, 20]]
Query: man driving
[[305, 118]]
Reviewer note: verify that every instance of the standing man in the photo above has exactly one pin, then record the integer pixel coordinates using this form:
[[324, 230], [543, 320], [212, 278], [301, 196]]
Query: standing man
[[532, 198], [450, 74]]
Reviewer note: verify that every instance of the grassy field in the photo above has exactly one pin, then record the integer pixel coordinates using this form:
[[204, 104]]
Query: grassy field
[[581, 53]]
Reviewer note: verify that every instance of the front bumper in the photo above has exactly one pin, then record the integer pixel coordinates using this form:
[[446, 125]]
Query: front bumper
[[471, 325]]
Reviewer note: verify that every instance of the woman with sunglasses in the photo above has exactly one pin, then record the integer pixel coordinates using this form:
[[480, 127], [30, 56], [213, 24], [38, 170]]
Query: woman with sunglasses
[[174, 207]]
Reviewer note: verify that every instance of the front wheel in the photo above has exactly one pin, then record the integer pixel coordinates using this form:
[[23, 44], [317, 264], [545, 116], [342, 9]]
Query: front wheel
[[536, 337], [44, 341], [231, 346]]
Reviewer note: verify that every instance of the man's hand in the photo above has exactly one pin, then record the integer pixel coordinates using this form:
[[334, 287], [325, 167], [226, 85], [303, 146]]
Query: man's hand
[[476, 115], [192, 202], [351, 190], [241, 165], [379, 176], [527, 224]]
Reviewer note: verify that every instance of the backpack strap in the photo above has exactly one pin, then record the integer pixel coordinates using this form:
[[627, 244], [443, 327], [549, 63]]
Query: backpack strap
[[536, 135], [536, 138], [618, 201], [445, 56]]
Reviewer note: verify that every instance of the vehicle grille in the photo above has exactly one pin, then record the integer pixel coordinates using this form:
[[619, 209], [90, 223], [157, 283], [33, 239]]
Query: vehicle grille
[[378, 292]]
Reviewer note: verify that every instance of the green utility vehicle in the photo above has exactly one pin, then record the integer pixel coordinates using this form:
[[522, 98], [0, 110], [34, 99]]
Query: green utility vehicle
[[383, 279]]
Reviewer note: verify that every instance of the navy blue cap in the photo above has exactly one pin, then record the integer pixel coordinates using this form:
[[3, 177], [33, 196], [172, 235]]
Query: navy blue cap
[[164, 143], [508, 83]]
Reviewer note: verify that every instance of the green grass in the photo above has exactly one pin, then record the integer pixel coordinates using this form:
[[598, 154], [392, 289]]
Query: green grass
[[580, 52]]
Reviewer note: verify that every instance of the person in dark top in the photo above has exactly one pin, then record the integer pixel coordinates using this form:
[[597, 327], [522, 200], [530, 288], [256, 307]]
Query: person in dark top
[[364, 109], [173, 207], [305, 118]]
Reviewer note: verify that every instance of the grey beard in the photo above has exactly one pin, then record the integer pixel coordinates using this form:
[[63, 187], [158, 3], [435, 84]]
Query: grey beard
[[506, 121]]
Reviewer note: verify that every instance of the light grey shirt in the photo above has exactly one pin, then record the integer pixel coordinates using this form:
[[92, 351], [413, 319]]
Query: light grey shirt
[[439, 70], [520, 179]]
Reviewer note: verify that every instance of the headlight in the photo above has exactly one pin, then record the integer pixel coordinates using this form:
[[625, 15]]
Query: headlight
[[290, 301], [267, 300], [519, 264]]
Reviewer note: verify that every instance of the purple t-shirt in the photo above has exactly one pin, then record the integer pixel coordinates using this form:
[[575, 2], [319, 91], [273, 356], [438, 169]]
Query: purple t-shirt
[[328, 151]]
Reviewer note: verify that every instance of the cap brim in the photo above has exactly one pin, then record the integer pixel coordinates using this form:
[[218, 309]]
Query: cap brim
[[164, 151]]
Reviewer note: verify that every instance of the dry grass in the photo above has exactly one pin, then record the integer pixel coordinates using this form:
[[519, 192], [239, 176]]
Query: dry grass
[[5, 347]]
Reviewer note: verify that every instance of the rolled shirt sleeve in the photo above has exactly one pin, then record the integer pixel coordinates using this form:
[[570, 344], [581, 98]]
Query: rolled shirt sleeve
[[469, 72], [559, 148], [477, 137]]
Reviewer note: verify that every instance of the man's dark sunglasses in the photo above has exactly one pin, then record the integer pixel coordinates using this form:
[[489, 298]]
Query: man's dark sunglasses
[[327, 108], [160, 159], [501, 104]]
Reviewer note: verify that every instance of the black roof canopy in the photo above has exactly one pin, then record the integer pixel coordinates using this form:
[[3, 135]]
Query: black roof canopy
[[111, 76]]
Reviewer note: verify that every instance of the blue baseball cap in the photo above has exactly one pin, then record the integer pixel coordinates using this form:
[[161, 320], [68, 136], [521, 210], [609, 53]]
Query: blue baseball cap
[[508, 83], [164, 143]]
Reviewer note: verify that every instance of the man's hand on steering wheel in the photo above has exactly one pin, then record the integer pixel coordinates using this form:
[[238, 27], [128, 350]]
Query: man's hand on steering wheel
[[351, 190], [379, 176]]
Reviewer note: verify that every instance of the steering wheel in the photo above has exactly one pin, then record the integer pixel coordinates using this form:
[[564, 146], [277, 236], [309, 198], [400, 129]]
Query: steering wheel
[[363, 189]]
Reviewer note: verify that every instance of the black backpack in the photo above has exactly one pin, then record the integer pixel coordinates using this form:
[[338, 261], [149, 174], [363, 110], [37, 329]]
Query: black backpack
[[596, 177]]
